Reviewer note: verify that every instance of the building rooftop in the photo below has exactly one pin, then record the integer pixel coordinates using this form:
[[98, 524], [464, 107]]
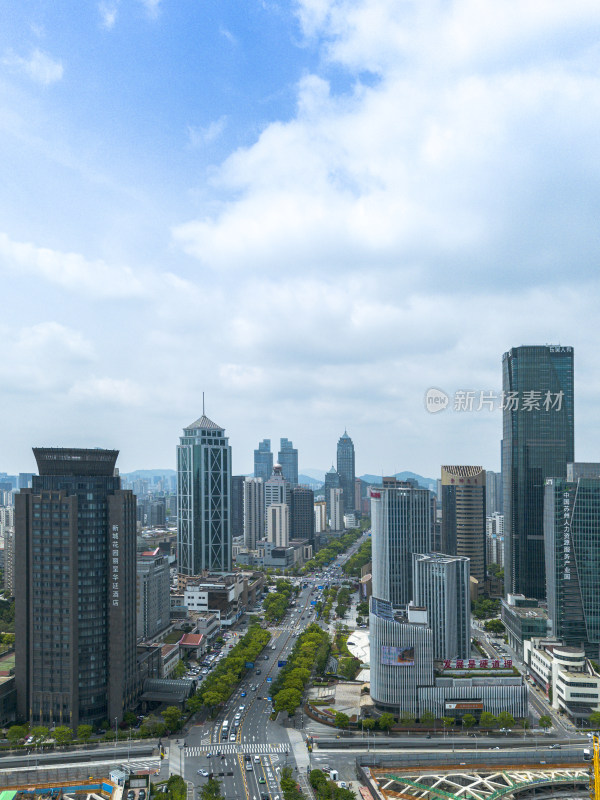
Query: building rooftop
[[75, 462], [205, 423]]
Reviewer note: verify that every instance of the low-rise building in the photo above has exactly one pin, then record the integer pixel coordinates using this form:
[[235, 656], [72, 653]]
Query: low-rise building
[[218, 594], [523, 619], [565, 675]]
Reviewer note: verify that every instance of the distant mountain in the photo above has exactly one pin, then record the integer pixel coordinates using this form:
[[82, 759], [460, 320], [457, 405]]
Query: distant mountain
[[314, 474], [312, 483], [146, 474], [426, 483]]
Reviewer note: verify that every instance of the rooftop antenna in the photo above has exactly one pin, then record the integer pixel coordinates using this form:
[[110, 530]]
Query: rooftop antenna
[[202, 403]]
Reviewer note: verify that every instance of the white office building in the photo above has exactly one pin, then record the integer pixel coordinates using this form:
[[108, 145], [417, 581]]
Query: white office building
[[254, 511], [278, 524]]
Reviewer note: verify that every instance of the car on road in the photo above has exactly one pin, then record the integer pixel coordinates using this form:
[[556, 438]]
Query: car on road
[[554, 747], [257, 759], [261, 780], [203, 772], [238, 716], [242, 707], [243, 694], [258, 672], [142, 794], [130, 795], [253, 688]]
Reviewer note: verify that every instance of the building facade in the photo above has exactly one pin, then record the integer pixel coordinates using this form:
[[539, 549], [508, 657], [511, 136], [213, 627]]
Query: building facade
[[278, 524], [153, 601], [237, 506], [401, 526], [75, 586], [463, 517], [538, 442], [441, 585], [288, 458], [263, 460], [572, 540], [277, 488], [254, 511], [203, 499], [302, 514], [336, 509], [347, 471], [494, 539]]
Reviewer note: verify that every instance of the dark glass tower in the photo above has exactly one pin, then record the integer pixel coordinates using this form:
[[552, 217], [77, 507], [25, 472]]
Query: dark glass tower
[[302, 515], [572, 539], [346, 470], [75, 591], [288, 458], [263, 460], [538, 441], [463, 517], [203, 499]]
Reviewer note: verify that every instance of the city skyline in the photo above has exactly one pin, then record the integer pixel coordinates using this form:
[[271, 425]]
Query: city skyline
[[325, 233]]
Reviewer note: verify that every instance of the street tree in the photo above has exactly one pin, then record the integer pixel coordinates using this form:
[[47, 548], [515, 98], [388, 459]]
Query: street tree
[[39, 733], [468, 721], [386, 721], [63, 735], [16, 732], [368, 724], [505, 720], [211, 790], [341, 720], [427, 718], [545, 722], [594, 720], [84, 732], [488, 720], [172, 717]]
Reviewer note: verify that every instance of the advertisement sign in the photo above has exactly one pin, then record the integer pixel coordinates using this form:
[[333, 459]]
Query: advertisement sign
[[398, 656], [281, 663], [477, 663], [464, 705], [313, 602], [249, 664]]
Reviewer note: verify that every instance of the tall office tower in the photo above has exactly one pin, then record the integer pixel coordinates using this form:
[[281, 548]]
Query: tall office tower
[[358, 494], [153, 593], [302, 514], [203, 499], [582, 469], [288, 458], [278, 524], [572, 544], [401, 526], [494, 539], [537, 443], [441, 585], [237, 506], [75, 540], [463, 517], [254, 511], [336, 507], [332, 481], [346, 471], [493, 492], [263, 460], [401, 656], [277, 489]]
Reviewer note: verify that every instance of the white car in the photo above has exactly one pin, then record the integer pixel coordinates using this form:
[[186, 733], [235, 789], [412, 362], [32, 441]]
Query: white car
[[232, 737], [203, 772]]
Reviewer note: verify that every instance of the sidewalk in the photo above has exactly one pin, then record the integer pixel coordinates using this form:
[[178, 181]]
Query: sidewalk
[[302, 759]]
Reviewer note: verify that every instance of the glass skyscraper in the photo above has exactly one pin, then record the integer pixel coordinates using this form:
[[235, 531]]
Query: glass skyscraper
[[288, 458], [463, 517], [263, 460], [346, 470], [203, 499], [572, 539], [538, 441]]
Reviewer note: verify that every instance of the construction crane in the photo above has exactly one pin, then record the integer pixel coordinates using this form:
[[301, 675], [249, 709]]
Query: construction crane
[[595, 769]]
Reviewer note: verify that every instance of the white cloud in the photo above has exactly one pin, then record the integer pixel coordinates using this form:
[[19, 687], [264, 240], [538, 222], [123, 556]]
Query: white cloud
[[106, 391], [40, 67], [199, 136], [152, 7], [108, 14], [70, 270]]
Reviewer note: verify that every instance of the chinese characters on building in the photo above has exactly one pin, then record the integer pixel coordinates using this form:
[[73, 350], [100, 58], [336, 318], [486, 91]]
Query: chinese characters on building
[[477, 663], [566, 536], [115, 565]]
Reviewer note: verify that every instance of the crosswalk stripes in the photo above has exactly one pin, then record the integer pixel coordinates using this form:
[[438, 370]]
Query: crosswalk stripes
[[148, 764], [229, 748]]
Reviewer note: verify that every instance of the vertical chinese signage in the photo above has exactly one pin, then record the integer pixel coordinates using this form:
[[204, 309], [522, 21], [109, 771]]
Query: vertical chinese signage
[[567, 536], [115, 565]]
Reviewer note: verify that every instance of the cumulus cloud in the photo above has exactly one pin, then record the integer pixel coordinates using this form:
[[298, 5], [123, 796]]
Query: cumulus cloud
[[70, 270], [152, 7], [108, 14], [39, 66], [106, 391], [199, 136]]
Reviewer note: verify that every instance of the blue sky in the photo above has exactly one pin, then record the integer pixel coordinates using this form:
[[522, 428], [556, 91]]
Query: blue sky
[[311, 210]]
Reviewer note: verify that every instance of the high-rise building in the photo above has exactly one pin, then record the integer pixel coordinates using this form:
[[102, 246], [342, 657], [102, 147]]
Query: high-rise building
[[278, 524], [288, 458], [494, 500], [153, 593], [277, 488], [401, 656], [494, 539], [237, 506], [463, 517], [254, 511], [336, 507], [572, 544], [203, 499], [75, 587], [401, 526], [302, 514], [538, 442], [441, 585], [346, 470], [9, 561], [582, 469], [263, 460], [332, 481]]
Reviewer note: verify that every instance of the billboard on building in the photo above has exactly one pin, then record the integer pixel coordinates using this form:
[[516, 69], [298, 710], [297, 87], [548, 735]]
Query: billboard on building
[[464, 705], [398, 656]]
